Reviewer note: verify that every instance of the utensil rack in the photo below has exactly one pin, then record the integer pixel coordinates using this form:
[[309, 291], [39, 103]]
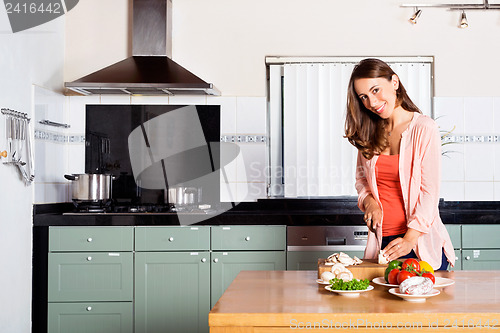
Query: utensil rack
[[19, 143]]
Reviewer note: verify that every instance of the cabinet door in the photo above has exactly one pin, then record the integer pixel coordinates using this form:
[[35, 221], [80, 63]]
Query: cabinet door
[[91, 239], [166, 238], [101, 317], [455, 232], [308, 260], [481, 259], [249, 238], [172, 292], [226, 265], [482, 236], [90, 276]]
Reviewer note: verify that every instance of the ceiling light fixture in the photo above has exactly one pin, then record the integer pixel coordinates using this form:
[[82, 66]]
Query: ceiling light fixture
[[453, 6], [415, 16], [463, 21]]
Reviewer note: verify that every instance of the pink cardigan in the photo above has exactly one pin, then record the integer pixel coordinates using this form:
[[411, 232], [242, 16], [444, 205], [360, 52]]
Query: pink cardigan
[[420, 177]]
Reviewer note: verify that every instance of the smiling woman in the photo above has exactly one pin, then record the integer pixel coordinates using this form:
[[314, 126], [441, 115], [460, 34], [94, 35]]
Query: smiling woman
[[308, 154]]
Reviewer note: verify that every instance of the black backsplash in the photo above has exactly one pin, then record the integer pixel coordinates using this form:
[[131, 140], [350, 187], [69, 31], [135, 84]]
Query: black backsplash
[[107, 130]]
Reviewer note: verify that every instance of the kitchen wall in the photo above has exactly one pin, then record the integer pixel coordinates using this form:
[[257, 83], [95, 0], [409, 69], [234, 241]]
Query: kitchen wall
[[28, 60], [225, 42]]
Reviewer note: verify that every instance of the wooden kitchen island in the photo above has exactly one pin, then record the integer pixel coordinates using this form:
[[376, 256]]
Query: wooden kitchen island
[[291, 301]]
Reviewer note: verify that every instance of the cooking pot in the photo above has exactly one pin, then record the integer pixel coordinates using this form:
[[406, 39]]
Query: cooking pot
[[90, 186], [182, 196]]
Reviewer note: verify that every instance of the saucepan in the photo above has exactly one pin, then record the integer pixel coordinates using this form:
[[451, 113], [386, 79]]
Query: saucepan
[[90, 186], [183, 196]]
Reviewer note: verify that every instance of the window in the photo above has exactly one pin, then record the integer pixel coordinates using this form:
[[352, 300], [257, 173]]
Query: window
[[309, 157]]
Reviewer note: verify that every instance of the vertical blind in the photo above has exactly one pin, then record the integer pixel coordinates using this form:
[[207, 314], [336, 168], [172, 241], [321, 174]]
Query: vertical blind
[[317, 159]]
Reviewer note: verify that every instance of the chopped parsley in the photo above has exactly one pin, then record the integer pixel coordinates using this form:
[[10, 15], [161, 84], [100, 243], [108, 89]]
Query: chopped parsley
[[354, 284]]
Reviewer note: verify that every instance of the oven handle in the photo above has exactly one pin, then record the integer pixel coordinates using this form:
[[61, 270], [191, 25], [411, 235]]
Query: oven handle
[[332, 248]]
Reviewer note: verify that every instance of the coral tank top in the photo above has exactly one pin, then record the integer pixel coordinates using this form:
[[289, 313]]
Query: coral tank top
[[389, 191]]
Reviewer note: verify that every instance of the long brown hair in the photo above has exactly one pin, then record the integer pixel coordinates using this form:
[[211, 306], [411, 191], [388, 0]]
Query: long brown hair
[[364, 129]]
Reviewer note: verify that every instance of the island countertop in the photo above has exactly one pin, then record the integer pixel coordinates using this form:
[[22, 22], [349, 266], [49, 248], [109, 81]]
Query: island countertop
[[287, 301]]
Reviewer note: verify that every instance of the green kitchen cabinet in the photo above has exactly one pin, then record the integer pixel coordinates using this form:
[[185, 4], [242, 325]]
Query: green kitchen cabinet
[[90, 279], [308, 260], [481, 259], [455, 232], [101, 317], [172, 291], [249, 238], [226, 265], [90, 276], [480, 236]]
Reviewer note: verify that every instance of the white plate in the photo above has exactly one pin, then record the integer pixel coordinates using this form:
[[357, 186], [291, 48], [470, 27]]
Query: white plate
[[319, 281], [349, 293], [414, 298], [440, 282]]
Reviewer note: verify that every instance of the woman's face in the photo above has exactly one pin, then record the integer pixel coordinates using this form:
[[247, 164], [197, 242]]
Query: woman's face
[[378, 94]]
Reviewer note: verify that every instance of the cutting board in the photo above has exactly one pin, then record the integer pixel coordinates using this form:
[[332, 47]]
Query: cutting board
[[368, 269]]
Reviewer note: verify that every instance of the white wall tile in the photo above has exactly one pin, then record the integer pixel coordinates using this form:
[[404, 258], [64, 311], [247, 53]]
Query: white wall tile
[[56, 193], [55, 162], [251, 115], [39, 154], [452, 162], [39, 193], [251, 191], [478, 115], [76, 158], [479, 161], [228, 192], [496, 114], [449, 113], [479, 191], [452, 191], [76, 112], [227, 112], [496, 186], [496, 172], [188, 100], [115, 99], [229, 162], [252, 166], [157, 100]]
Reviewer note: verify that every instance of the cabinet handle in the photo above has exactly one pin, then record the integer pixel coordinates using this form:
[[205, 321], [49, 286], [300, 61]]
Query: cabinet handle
[[216, 260], [467, 258], [89, 308], [456, 258], [204, 260], [171, 239], [247, 238], [89, 239], [89, 258]]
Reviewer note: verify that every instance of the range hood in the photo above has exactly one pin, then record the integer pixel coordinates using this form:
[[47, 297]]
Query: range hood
[[149, 71]]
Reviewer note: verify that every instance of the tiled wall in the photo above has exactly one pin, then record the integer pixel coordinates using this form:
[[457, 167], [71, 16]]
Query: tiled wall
[[471, 167], [241, 118]]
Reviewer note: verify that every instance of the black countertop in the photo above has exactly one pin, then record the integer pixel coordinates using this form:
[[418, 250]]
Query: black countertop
[[323, 211]]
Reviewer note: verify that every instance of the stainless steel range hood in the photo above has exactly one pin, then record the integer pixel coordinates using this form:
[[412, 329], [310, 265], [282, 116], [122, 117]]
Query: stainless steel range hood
[[149, 71]]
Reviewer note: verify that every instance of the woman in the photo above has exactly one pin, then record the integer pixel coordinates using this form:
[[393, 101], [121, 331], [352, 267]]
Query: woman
[[398, 168]]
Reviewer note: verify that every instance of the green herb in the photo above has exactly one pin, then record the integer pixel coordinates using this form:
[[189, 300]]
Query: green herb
[[354, 284]]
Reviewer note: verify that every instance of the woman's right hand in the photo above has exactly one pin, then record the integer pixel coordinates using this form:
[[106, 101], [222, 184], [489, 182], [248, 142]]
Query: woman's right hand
[[373, 213]]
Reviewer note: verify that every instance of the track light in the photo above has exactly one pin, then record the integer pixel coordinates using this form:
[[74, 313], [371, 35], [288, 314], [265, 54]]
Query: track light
[[463, 21], [415, 16]]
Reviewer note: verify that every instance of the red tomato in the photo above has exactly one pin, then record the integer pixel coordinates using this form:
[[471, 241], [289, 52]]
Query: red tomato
[[430, 276], [403, 275], [413, 263], [393, 276]]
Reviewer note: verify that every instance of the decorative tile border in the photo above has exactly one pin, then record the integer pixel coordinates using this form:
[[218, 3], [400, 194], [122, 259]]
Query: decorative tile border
[[244, 138], [472, 138], [58, 137]]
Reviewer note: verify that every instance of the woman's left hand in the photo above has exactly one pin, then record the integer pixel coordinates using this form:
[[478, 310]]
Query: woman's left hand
[[397, 248]]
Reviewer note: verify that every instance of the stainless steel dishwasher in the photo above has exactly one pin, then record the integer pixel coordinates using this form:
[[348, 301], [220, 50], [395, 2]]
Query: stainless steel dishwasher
[[305, 244]]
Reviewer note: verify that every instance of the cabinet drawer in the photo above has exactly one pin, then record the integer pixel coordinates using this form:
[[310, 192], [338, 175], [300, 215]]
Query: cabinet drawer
[[455, 232], [480, 236], [248, 238], [172, 238], [481, 259], [67, 239], [90, 276], [90, 317]]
